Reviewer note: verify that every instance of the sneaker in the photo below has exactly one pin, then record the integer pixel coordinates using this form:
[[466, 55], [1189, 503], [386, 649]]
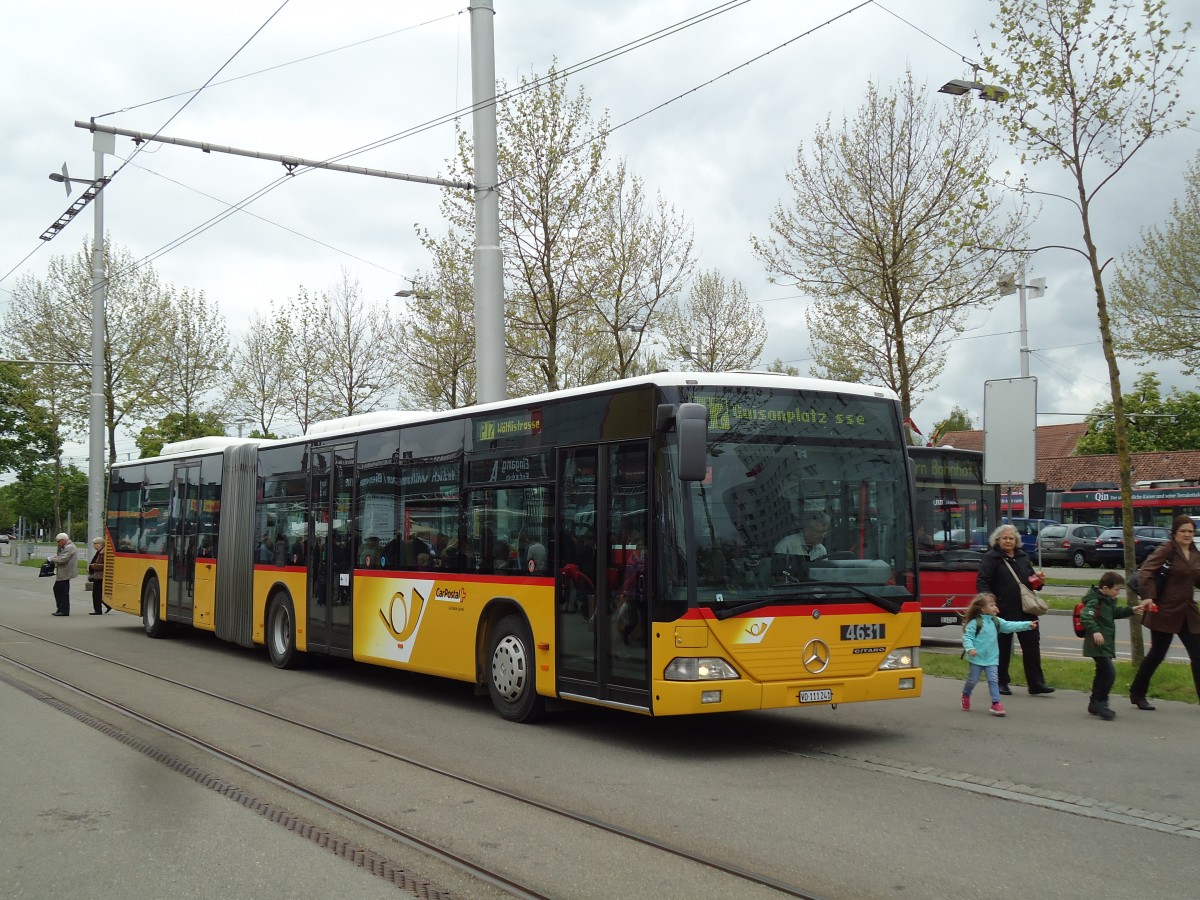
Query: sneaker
[[1106, 713], [966, 702], [997, 709], [1093, 709]]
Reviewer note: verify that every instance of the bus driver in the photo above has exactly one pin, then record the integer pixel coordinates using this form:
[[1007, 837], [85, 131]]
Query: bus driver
[[808, 545]]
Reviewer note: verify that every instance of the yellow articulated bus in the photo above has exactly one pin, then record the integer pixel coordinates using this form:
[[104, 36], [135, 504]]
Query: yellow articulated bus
[[672, 544]]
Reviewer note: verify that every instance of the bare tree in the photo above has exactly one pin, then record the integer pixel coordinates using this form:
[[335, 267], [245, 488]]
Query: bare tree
[[360, 344], [581, 252], [197, 355], [641, 256], [260, 369], [304, 391], [437, 333], [1156, 301], [1089, 88], [50, 318], [717, 329], [888, 227]]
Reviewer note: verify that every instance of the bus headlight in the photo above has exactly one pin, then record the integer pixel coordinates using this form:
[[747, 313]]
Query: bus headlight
[[902, 658], [703, 668]]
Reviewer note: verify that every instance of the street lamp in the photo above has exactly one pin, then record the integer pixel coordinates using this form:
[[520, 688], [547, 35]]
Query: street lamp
[[419, 295], [957, 87]]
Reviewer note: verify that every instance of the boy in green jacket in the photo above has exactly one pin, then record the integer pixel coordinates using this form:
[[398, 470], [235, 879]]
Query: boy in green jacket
[[1099, 615]]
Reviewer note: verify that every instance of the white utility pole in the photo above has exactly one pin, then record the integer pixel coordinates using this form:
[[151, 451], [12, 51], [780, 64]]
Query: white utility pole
[[490, 377], [101, 144]]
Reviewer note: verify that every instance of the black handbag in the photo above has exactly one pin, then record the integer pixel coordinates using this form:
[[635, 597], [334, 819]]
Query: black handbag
[[48, 569]]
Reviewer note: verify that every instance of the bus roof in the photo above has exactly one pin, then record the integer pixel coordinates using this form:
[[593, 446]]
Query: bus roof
[[396, 418], [199, 445]]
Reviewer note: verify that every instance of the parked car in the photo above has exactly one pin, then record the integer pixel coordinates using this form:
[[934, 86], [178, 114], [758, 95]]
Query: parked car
[[1110, 545], [1072, 544], [5, 538]]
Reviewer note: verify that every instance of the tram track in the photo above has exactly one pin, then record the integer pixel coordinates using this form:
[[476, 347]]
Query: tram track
[[388, 830]]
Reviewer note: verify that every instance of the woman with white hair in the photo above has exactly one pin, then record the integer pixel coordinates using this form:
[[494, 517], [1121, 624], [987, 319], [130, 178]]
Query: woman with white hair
[[1002, 567], [96, 578]]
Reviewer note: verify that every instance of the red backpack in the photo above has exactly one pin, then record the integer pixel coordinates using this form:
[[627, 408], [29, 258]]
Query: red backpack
[[1077, 621]]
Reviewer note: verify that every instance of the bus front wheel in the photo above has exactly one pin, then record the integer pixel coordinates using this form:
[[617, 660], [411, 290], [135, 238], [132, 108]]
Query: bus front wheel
[[511, 672], [152, 621], [281, 633]]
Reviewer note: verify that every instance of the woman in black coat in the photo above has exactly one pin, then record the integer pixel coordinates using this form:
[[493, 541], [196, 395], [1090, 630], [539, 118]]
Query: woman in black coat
[[1176, 612], [1004, 559]]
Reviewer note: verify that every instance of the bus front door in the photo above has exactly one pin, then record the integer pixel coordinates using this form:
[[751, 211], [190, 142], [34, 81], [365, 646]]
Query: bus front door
[[602, 574], [183, 531], [331, 562]]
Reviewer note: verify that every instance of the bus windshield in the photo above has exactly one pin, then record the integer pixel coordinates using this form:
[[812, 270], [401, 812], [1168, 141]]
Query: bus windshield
[[805, 497]]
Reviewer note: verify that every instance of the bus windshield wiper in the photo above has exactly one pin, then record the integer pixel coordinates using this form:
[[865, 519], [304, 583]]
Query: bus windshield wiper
[[888, 604], [725, 612]]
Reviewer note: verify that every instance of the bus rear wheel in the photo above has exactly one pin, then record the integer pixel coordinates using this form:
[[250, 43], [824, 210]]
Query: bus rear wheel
[[281, 633], [152, 621], [510, 675]]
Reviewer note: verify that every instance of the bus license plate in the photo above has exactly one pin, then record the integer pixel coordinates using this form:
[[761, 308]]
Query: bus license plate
[[950, 620], [816, 696], [875, 632]]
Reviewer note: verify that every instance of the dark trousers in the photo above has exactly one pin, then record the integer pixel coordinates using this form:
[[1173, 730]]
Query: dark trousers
[[1160, 643], [98, 597], [1031, 656], [62, 596], [1106, 674]]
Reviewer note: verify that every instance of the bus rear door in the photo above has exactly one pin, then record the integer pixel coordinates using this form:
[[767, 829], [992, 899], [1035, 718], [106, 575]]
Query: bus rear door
[[183, 532], [331, 560]]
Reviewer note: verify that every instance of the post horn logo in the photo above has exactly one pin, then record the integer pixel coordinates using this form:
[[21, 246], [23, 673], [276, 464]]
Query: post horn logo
[[402, 615]]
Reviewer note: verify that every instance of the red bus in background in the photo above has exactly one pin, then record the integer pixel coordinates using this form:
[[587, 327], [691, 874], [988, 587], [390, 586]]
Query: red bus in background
[[955, 514]]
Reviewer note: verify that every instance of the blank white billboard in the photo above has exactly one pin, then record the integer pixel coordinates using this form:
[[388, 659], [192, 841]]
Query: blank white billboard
[[1010, 431]]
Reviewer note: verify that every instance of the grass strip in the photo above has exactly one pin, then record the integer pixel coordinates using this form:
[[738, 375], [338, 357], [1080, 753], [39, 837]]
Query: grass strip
[[1172, 681]]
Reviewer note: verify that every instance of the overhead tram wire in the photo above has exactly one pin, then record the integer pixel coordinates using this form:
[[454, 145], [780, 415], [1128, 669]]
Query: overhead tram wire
[[433, 123], [195, 94], [541, 81], [736, 68], [298, 234], [284, 65]]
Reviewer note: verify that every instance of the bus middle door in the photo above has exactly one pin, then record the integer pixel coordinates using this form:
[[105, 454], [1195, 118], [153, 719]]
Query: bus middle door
[[602, 576]]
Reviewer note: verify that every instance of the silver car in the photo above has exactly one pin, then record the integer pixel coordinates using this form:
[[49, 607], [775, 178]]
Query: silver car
[[1070, 544]]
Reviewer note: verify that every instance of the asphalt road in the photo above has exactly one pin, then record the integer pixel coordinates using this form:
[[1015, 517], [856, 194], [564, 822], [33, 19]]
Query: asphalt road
[[864, 801]]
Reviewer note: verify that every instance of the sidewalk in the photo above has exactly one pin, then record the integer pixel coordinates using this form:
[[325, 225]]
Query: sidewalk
[[84, 815]]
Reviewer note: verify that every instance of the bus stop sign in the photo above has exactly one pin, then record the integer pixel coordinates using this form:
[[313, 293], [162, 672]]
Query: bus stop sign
[[1010, 431]]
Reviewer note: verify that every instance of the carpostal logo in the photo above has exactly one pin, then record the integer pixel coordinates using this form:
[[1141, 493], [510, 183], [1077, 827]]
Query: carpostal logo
[[755, 631], [402, 614]]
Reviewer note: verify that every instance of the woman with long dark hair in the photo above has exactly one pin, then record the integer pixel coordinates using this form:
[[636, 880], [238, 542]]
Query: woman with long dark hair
[[1174, 611]]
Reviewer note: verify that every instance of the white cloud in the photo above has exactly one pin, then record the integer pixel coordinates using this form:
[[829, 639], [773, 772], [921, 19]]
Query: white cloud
[[719, 154]]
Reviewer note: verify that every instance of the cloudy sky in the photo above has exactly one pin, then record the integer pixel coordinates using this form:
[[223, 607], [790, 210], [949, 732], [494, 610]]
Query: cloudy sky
[[320, 79]]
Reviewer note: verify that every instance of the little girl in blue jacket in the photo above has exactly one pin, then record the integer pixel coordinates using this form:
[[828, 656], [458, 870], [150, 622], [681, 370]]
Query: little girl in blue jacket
[[981, 626]]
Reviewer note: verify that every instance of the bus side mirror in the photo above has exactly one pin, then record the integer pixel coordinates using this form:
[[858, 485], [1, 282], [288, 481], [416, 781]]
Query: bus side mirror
[[691, 426]]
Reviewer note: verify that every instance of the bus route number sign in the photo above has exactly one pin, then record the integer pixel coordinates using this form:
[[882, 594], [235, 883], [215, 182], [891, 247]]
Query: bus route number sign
[[874, 632]]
